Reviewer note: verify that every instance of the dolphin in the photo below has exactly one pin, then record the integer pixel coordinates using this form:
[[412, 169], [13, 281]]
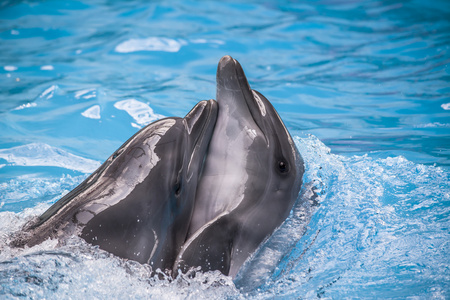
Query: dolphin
[[251, 178], [139, 203]]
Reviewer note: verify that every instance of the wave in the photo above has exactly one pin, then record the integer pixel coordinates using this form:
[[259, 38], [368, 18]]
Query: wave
[[40, 154]]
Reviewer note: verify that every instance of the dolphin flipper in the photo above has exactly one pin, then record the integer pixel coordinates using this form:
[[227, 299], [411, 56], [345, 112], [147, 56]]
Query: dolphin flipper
[[210, 247]]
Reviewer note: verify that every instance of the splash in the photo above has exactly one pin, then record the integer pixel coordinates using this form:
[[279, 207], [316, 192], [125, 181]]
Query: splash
[[40, 154], [375, 227]]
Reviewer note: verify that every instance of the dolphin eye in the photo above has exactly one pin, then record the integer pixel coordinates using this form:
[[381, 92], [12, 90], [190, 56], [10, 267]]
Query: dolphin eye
[[178, 189], [283, 166]]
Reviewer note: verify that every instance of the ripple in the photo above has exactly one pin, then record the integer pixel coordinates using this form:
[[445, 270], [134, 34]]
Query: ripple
[[150, 44]]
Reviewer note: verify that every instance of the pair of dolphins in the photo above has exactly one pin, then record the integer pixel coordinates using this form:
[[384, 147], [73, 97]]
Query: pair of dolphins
[[200, 191]]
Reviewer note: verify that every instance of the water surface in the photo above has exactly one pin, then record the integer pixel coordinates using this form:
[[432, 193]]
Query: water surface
[[363, 86]]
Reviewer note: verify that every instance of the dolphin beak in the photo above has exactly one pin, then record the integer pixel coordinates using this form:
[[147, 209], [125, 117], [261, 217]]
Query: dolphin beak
[[230, 76], [232, 86], [203, 115], [199, 124], [234, 93]]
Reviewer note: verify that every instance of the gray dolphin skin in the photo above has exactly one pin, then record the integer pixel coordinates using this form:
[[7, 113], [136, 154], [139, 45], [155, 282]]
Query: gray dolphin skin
[[139, 203], [251, 178]]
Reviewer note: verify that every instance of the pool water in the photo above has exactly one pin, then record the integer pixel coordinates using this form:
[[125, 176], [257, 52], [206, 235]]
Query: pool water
[[362, 86]]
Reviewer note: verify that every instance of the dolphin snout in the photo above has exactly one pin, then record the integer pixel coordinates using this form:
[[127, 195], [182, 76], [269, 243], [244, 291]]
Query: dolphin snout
[[232, 86], [227, 80], [225, 61], [202, 115]]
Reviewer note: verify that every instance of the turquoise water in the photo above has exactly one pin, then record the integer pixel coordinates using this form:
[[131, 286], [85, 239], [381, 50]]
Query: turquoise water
[[363, 86]]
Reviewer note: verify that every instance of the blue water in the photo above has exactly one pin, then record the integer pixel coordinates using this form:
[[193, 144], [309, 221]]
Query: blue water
[[363, 87]]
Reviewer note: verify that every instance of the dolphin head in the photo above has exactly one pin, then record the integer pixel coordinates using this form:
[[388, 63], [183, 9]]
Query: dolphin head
[[235, 96], [251, 178], [139, 203], [274, 166]]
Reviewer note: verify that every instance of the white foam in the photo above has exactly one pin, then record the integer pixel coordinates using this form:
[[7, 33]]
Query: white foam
[[49, 92], [205, 41], [26, 105], [10, 68], [141, 112], [446, 106], [40, 154], [92, 112], [86, 94], [433, 125], [47, 68], [150, 44]]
